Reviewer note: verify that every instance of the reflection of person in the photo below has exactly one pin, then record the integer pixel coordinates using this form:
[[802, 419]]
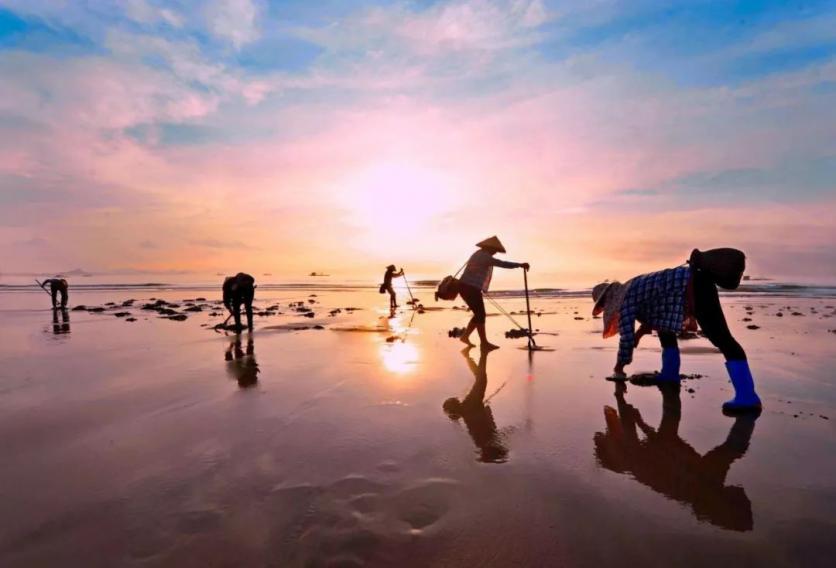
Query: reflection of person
[[237, 290], [63, 327], [475, 280], [240, 365], [670, 301], [387, 285], [477, 414], [667, 464], [56, 286]]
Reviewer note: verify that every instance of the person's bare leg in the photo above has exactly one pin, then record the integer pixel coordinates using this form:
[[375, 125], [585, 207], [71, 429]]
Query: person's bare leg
[[483, 337], [465, 337]]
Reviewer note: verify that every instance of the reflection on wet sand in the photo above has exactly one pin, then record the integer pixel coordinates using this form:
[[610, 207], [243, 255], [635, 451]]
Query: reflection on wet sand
[[241, 365], [396, 354], [63, 327], [476, 413], [667, 464]]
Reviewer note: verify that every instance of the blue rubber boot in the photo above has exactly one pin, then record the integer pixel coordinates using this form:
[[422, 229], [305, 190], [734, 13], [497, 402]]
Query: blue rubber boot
[[745, 398], [670, 365]]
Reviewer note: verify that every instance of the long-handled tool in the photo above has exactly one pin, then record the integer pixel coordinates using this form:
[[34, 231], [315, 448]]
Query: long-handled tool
[[408, 289], [42, 288], [531, 344]]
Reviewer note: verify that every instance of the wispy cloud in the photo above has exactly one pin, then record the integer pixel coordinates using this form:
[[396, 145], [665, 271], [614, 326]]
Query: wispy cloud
[[186, 119]]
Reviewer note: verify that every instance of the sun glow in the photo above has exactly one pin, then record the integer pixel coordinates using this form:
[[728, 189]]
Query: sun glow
[[397, 200]]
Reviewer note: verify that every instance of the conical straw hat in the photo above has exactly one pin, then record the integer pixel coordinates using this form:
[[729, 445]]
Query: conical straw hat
[[608, 297], [492, 243]]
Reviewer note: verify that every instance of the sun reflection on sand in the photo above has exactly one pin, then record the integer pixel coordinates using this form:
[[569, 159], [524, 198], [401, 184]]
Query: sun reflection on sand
[[400, 358], [397, 355]]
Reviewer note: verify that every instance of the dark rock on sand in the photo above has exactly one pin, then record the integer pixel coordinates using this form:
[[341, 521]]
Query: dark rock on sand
[[80, 308], [798, 314], [753, 326], [167, 312], [96, 309], [685, 335], [130, 319], [515, 333], [193, 309], [178, 317], [122, 314], [309, 314], [319, 327]]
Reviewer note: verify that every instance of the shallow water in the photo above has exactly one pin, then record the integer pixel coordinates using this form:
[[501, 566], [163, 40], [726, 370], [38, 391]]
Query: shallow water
[[160, 442]]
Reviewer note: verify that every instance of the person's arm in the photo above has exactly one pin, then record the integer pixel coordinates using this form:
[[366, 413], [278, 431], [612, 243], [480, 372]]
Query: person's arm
[[627, 341], [508, 264]]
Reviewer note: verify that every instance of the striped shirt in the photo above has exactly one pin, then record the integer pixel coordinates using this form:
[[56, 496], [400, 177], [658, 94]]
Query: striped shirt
[[479, 269], [657, 300]]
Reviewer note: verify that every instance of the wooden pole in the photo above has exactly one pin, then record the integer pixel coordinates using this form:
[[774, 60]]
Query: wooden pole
[[528, 312], [42, 288], [408, 289]]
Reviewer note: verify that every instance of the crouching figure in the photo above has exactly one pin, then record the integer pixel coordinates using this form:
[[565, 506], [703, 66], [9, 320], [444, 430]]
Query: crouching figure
[[237, 290], [675, 300]]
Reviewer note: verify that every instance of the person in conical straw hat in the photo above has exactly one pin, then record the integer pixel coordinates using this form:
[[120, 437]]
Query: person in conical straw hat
[[668, 302], [476, 280], [391, 272]]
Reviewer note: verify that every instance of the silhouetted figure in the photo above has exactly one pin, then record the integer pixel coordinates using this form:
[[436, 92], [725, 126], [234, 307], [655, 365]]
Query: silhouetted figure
[[387, 285], [477, 414], [237, 290], [56, 286], [241, 365], [63, 327], [476, 280], [667, 464], [675, 300]]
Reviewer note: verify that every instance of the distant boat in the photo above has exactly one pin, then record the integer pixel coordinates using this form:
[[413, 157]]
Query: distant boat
[[318, 274]]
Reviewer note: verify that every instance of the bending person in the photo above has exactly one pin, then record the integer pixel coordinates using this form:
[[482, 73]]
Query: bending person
[[237, 290], [475, 280], [56, 286], [668, 302]]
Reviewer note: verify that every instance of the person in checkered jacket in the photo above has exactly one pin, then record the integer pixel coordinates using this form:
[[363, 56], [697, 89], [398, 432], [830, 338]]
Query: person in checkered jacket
[[669, 302]]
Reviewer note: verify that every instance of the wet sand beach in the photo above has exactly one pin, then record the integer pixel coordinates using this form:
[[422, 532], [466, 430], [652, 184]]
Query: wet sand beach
[[320, 440]]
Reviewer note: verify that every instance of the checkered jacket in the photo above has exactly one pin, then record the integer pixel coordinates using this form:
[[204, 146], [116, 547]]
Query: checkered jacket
[[657, 300]]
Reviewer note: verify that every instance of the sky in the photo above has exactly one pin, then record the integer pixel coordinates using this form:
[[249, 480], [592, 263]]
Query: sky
[[597, 138]]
